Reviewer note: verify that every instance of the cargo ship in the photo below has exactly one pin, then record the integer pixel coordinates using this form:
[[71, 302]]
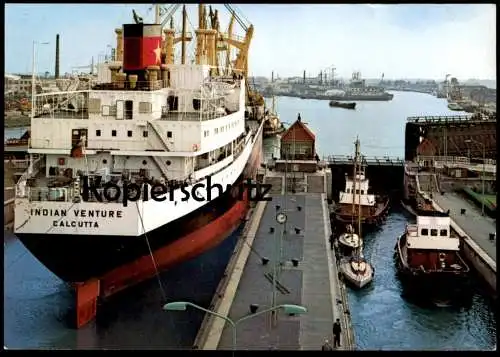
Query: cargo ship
[[357, 90], [372, 208], [142, 170], [428, 257]]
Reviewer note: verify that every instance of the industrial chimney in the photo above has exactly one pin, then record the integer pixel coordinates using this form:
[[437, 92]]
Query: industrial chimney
[[57, 57], [304, 77], [272, 76]]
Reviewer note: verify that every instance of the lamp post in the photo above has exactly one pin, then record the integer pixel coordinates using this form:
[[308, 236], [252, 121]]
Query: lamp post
[[33, 69], [182, 306], [484, 170]]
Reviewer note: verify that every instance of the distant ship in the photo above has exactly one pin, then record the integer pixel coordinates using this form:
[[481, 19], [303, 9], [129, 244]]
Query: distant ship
[[357, 90], [334, 103], [272, 124], [455, 106]]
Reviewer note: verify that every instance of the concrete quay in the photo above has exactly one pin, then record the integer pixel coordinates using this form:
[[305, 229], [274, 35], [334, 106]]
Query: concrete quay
[[313, 283]]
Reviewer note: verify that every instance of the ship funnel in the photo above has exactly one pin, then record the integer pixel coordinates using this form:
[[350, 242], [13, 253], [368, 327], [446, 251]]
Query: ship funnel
[[56, 71], [141, 48]]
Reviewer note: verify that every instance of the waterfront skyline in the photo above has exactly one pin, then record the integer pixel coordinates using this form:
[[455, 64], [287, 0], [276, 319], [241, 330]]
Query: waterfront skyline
[[401, 41]]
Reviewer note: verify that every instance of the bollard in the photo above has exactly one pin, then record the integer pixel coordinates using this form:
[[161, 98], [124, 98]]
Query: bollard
[[265, 261], [299, 208], [462, 211], [492, 236], [297, 230], [295, 262], [254, 308], [271, 229]]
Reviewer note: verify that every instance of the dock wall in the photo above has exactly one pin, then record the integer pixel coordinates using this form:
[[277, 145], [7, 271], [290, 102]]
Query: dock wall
[[211, 328]]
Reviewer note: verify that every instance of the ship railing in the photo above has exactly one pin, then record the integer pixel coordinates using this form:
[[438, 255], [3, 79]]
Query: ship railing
[[50, 194], [63, 114], [175, 115], [127, 85], [441, 118]]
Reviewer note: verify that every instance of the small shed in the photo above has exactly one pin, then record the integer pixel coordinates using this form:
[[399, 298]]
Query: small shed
[[298, 142]]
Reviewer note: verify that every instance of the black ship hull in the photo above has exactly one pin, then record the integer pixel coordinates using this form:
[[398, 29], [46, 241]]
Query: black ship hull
[[435, 283], [342, 105]]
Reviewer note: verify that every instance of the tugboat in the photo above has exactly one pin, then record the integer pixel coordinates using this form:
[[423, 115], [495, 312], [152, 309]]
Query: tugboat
[[350, 105], [373, 208], [348, 242], [272, 124], [355, 268], [427, 256]]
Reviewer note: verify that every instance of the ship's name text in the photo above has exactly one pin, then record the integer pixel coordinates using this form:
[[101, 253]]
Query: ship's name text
[[79, 214]]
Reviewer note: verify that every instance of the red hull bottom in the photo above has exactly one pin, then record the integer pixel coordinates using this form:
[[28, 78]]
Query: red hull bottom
[[146, 267]]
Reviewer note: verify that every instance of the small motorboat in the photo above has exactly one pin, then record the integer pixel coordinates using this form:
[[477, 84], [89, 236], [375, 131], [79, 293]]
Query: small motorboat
[[348, 242]]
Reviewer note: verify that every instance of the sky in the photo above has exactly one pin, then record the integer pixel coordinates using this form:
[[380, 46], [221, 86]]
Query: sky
[[401, 41]]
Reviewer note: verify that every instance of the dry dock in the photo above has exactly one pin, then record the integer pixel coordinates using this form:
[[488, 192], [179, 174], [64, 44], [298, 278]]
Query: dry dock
[[313, 283]]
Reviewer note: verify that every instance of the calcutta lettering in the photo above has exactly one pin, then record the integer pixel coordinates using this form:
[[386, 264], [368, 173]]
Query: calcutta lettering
[[84, 218]]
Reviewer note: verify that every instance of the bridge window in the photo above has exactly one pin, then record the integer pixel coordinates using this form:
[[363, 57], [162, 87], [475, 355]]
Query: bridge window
[[362, 192], [113, 132], [216, 130], [443, 232], [424, 232], [129, 107], [97, 133], [129, 133], [434, 232], [357, 192], [145, 134], [169, 134]]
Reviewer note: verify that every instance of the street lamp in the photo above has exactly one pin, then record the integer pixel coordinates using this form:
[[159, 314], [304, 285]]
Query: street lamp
[[182, 306], [33, 76], [484, 170]]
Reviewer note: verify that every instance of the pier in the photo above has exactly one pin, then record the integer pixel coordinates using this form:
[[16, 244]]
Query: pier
[[283, 259], [308, 277]]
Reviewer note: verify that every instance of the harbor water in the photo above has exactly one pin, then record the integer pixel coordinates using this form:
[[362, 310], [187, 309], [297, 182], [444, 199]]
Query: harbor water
[[36, 303]]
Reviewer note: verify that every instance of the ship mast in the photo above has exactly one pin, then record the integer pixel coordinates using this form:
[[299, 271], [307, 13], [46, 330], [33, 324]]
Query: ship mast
[[184, 17], [359, 195], [157, 14], [353, 190]]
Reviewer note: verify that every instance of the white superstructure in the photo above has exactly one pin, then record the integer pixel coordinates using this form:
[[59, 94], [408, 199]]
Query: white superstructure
[[431, 233], [125, 135], [358, 195]]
